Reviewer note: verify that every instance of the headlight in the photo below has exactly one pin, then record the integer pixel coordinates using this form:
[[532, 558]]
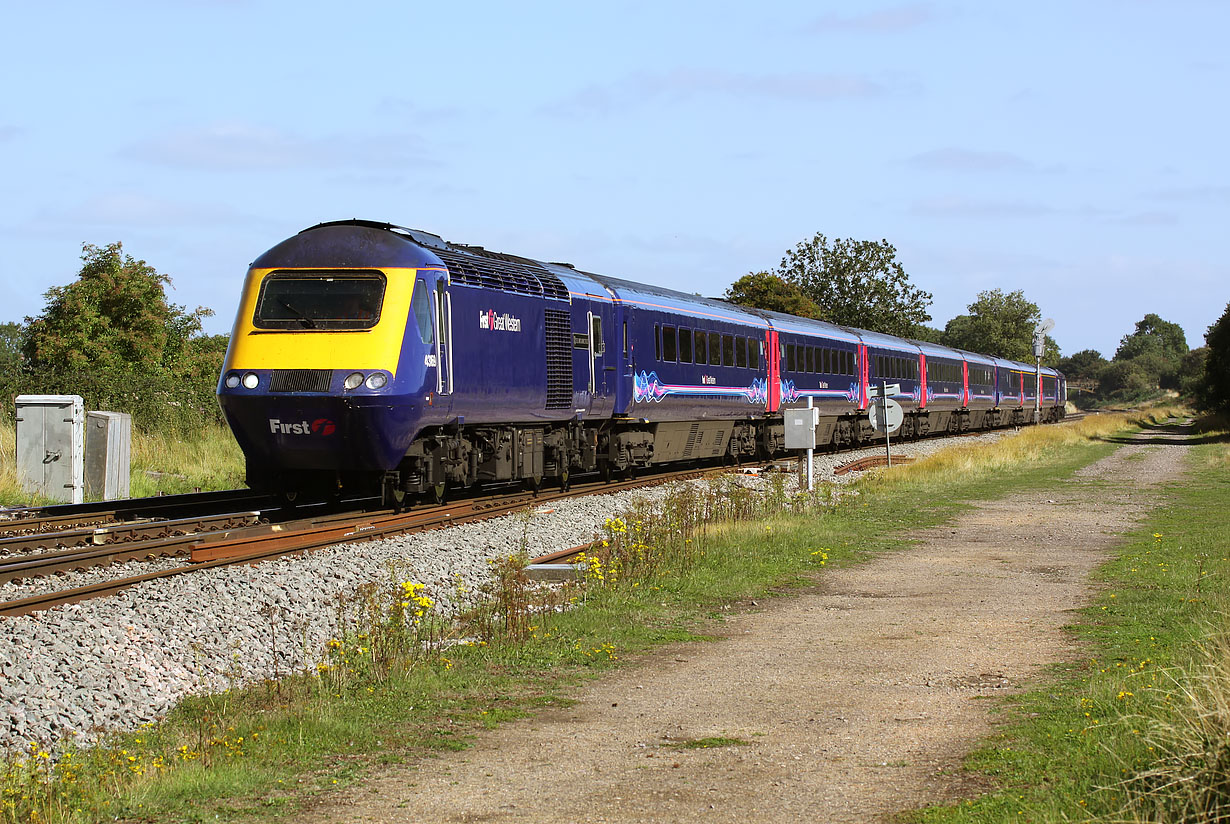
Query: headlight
[[251, 381], [377, 380], [232, 381], [353, 380]]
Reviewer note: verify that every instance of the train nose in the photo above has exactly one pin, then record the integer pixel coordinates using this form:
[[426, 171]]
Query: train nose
[[325, 432]]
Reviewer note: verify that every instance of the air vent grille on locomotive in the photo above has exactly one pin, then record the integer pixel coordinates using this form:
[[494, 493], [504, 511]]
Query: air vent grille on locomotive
[[502, 275], [558, 328], [300, 380]]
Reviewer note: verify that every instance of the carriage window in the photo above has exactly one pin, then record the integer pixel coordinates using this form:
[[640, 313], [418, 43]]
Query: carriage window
[[728, 350], [595, 336], [625, 339], [811, 359], [715, 349], [790, 357], [741, 352], [753, 353], [657, 342], [685, 345], [702, 350], [669, 349]]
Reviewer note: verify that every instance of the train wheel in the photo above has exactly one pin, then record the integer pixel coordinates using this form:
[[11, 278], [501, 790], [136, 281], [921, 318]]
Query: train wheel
[[288, 498], [604, 471], [438, 492], [534, 483], [397, 500]]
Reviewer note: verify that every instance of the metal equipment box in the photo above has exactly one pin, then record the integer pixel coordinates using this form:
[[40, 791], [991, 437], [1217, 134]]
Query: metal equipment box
[[801, 428], [108, 446], [50, 458]]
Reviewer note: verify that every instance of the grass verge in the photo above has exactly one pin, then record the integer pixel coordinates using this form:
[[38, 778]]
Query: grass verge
[[263, 751], [163, 463], [1139, 730]]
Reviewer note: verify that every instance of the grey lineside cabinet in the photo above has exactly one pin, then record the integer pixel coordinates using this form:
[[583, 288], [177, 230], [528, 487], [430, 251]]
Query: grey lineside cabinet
[[50, 448], [108, 448]]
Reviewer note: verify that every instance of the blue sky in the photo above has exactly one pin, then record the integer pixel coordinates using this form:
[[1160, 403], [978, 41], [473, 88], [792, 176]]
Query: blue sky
[[1074, 150]]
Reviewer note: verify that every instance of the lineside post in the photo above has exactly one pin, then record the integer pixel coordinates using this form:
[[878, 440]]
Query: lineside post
[[810, 449], [888, 452]]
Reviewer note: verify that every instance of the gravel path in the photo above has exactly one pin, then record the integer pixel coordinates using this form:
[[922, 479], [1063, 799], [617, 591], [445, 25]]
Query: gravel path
[[118, 662], [855, 698]]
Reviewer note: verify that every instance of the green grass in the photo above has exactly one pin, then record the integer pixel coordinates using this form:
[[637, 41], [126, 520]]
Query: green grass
[[262, 752], [712, 742], [1072, 742]]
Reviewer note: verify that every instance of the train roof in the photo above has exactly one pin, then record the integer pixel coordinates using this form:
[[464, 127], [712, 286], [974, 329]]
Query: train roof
[[936, 350], [659, 297], [881, 340], [808, 326]]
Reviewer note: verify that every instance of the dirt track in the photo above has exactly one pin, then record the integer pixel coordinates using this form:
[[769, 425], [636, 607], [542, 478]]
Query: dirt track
[[855, 698]]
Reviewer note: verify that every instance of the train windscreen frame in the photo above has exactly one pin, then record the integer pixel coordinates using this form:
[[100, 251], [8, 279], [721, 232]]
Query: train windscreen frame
[[348, 300]]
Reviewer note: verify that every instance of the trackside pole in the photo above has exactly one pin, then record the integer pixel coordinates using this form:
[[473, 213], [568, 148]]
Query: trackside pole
[[888, 452], [810, 450]]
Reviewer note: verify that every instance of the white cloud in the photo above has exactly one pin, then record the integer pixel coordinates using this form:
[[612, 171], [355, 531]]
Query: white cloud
[[684, 84], [970, 160], [958, 206], [900, 18], [243, 147], [1149, 219], [139, 209], [1195, 194]]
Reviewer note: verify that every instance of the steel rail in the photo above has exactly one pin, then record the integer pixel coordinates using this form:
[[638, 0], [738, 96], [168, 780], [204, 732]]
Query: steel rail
[[125, 532], [28, 520], [170, 542]]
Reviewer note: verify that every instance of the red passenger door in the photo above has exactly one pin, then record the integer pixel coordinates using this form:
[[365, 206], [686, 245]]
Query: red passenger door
[[773, 360], [864, 372]]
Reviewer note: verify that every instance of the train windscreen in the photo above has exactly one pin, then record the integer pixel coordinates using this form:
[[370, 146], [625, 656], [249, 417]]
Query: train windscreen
[[322, 301]]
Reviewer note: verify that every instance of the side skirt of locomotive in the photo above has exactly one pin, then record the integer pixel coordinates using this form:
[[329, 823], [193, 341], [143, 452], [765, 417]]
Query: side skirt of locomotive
[[463, 456]]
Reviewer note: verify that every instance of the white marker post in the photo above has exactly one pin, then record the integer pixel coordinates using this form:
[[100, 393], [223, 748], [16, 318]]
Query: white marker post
[[885, 414], [810, 449], [888, 452], [1039, 347]]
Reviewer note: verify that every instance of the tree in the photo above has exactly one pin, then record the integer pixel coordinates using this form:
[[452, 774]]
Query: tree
[[856, 283], [1216, 392], [10, 346], [927, 333], [762, 290], [1126, 379], [1084, 366], [115, 315], [1153, 335], [1157, 347], [1191, 373], [1002, 325]]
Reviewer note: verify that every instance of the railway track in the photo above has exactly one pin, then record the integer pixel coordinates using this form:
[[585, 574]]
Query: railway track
[[37, 520], [242, 537], [249, 544]]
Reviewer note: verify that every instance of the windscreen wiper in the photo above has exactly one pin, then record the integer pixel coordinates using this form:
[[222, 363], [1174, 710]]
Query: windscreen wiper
[[307, 322]]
